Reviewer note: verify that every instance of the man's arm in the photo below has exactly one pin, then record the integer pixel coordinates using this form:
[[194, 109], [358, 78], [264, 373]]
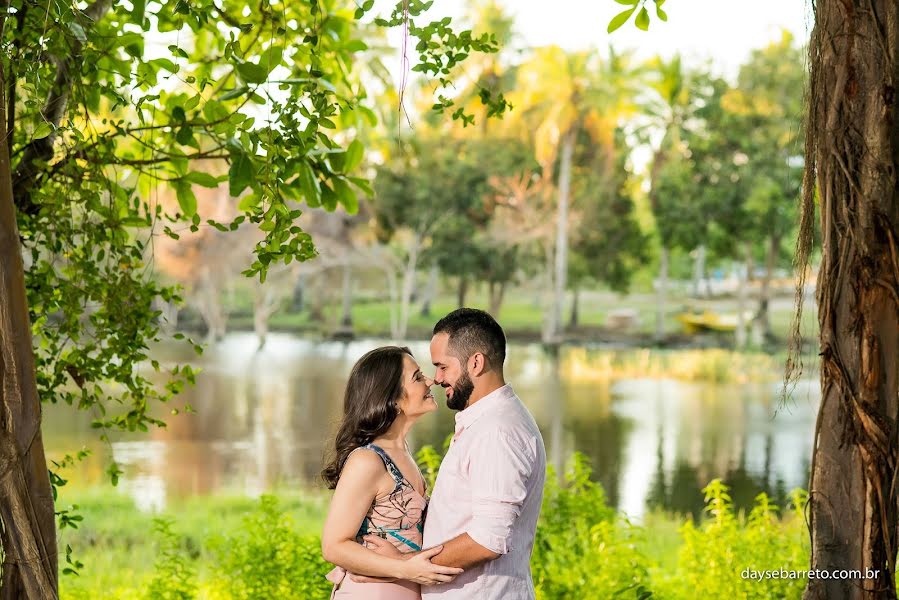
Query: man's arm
[[498, 479], [464, 552]]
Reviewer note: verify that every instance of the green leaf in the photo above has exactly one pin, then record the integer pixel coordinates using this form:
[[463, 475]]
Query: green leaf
[[252, 73], [78, 31], [309, 185], [202, 179], [346, 195], [661, 14], [627, 2], [329, 198], [620, 19], [354, 154], [362, 184], [355, 46], [42, 130], [642, 20], [186, 198], [164, 63], [240, 175], [235, 93], [215, 112], [185, 136], [271, 58], [248, 202], [137, 13]]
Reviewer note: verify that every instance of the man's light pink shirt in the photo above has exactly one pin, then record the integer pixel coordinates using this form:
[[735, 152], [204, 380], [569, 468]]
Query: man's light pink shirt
[[490, 486]]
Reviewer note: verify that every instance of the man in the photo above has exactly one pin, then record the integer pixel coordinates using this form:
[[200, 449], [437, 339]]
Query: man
[[489, 489]]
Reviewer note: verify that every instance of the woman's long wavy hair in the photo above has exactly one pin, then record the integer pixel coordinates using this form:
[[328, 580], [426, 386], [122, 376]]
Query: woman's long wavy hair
[[369, 404]]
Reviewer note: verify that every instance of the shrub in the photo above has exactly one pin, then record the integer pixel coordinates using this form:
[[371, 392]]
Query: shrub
[[715, 554], [265, 558], [581, 550], [174, 575]]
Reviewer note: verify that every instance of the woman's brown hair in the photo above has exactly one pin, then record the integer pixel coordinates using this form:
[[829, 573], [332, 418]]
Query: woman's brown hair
[[369, 404]]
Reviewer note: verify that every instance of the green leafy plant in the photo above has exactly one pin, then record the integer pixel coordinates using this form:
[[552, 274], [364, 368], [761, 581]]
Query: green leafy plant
[[641, 21], [174, 576], [265, 558]]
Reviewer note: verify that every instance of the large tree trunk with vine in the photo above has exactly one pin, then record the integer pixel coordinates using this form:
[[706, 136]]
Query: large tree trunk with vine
[[852, 149], [27, 520]]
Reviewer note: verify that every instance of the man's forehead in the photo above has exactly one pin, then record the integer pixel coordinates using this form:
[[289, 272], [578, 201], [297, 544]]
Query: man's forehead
[[438, 346]]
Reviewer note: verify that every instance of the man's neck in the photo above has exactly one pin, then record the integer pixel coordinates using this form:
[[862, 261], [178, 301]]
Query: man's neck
[[485, 389]]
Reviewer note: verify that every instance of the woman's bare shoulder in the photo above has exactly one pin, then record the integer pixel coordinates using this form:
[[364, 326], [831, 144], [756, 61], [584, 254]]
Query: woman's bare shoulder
[[363, 465]]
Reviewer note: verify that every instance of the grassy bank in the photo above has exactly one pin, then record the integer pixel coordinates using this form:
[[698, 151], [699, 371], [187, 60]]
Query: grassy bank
[[237, 548], [521, 316]]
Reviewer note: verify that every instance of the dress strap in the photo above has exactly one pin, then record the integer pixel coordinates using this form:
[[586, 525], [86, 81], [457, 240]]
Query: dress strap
[[391, 467]]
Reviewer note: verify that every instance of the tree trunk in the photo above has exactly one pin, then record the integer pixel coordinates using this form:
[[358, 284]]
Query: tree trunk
[[296, 301], [263, 306], [561, 265], [698, 270], [662, 295], [430, 290], [408, 286], [852, 149], [346, 319], [462, 291], [497, 293], [574, 317], [547, 294], [762, 318], [27, 520], [740, 335], [210, 307]]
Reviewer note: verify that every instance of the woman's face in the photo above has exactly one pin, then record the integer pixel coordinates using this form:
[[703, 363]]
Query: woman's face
[[417, 398]]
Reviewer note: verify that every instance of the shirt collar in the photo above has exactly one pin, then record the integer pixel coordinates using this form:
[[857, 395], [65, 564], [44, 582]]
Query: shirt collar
[[485, 405]]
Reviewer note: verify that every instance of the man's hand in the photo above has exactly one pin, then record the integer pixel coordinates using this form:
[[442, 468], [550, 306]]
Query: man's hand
[[382, 547]]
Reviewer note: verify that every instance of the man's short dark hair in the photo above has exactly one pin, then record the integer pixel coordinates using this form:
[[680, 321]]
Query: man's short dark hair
[[471, 330]]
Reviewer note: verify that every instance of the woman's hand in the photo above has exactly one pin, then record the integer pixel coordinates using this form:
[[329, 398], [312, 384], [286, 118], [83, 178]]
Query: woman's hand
[[420, 569]]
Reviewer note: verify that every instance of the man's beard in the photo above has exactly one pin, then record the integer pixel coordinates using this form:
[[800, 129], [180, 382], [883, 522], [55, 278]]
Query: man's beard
[[461, 393]]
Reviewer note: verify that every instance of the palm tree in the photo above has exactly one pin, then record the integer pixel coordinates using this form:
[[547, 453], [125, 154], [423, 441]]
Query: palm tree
[[669, 110], [564, 95]]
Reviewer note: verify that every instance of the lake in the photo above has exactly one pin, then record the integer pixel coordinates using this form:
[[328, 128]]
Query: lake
[[264, 418]]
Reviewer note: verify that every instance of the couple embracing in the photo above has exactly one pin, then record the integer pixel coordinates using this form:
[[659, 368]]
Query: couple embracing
[[472, 539]]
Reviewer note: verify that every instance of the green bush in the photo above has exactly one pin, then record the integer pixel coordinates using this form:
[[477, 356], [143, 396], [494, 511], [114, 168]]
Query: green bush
[[174, 574], [265, 558], [581, 550], [715, 554]]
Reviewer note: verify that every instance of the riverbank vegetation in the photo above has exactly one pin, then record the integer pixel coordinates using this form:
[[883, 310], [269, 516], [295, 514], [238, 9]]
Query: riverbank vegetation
[[237, 548]]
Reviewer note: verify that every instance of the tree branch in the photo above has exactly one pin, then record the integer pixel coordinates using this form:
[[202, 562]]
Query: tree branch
[[39, 152]]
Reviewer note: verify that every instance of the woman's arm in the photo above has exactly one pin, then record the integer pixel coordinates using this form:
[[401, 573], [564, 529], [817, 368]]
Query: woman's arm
[[362, 478]]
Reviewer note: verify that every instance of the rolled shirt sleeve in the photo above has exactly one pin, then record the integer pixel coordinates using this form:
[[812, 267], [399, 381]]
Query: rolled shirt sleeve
[[500, 468]]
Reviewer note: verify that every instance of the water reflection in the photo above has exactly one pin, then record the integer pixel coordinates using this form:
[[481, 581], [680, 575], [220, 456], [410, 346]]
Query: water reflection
[[263, 419]]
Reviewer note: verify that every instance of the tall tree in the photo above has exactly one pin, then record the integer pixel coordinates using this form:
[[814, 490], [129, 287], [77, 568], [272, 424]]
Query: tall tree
[[766, 109], [565, 94], [852, 161], [91, 127], [678, 95]]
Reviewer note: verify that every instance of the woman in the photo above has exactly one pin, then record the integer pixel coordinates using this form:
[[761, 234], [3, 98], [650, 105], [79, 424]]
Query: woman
[[378, 489]]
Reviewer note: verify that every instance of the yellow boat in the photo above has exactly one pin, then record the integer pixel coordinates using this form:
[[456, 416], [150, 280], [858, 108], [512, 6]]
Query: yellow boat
[[710, 321]]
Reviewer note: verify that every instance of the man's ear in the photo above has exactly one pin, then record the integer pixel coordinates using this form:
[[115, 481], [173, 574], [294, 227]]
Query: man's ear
[[477, 364]]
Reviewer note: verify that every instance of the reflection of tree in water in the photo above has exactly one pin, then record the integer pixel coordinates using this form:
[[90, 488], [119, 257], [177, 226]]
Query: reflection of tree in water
[[600, 437], [681, 493]]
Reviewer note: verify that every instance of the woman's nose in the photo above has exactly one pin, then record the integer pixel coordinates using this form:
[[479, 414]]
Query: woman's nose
[[430, 382]]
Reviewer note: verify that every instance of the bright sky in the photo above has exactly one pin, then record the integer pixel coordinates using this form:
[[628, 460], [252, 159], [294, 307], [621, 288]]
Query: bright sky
[[723, 31]]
